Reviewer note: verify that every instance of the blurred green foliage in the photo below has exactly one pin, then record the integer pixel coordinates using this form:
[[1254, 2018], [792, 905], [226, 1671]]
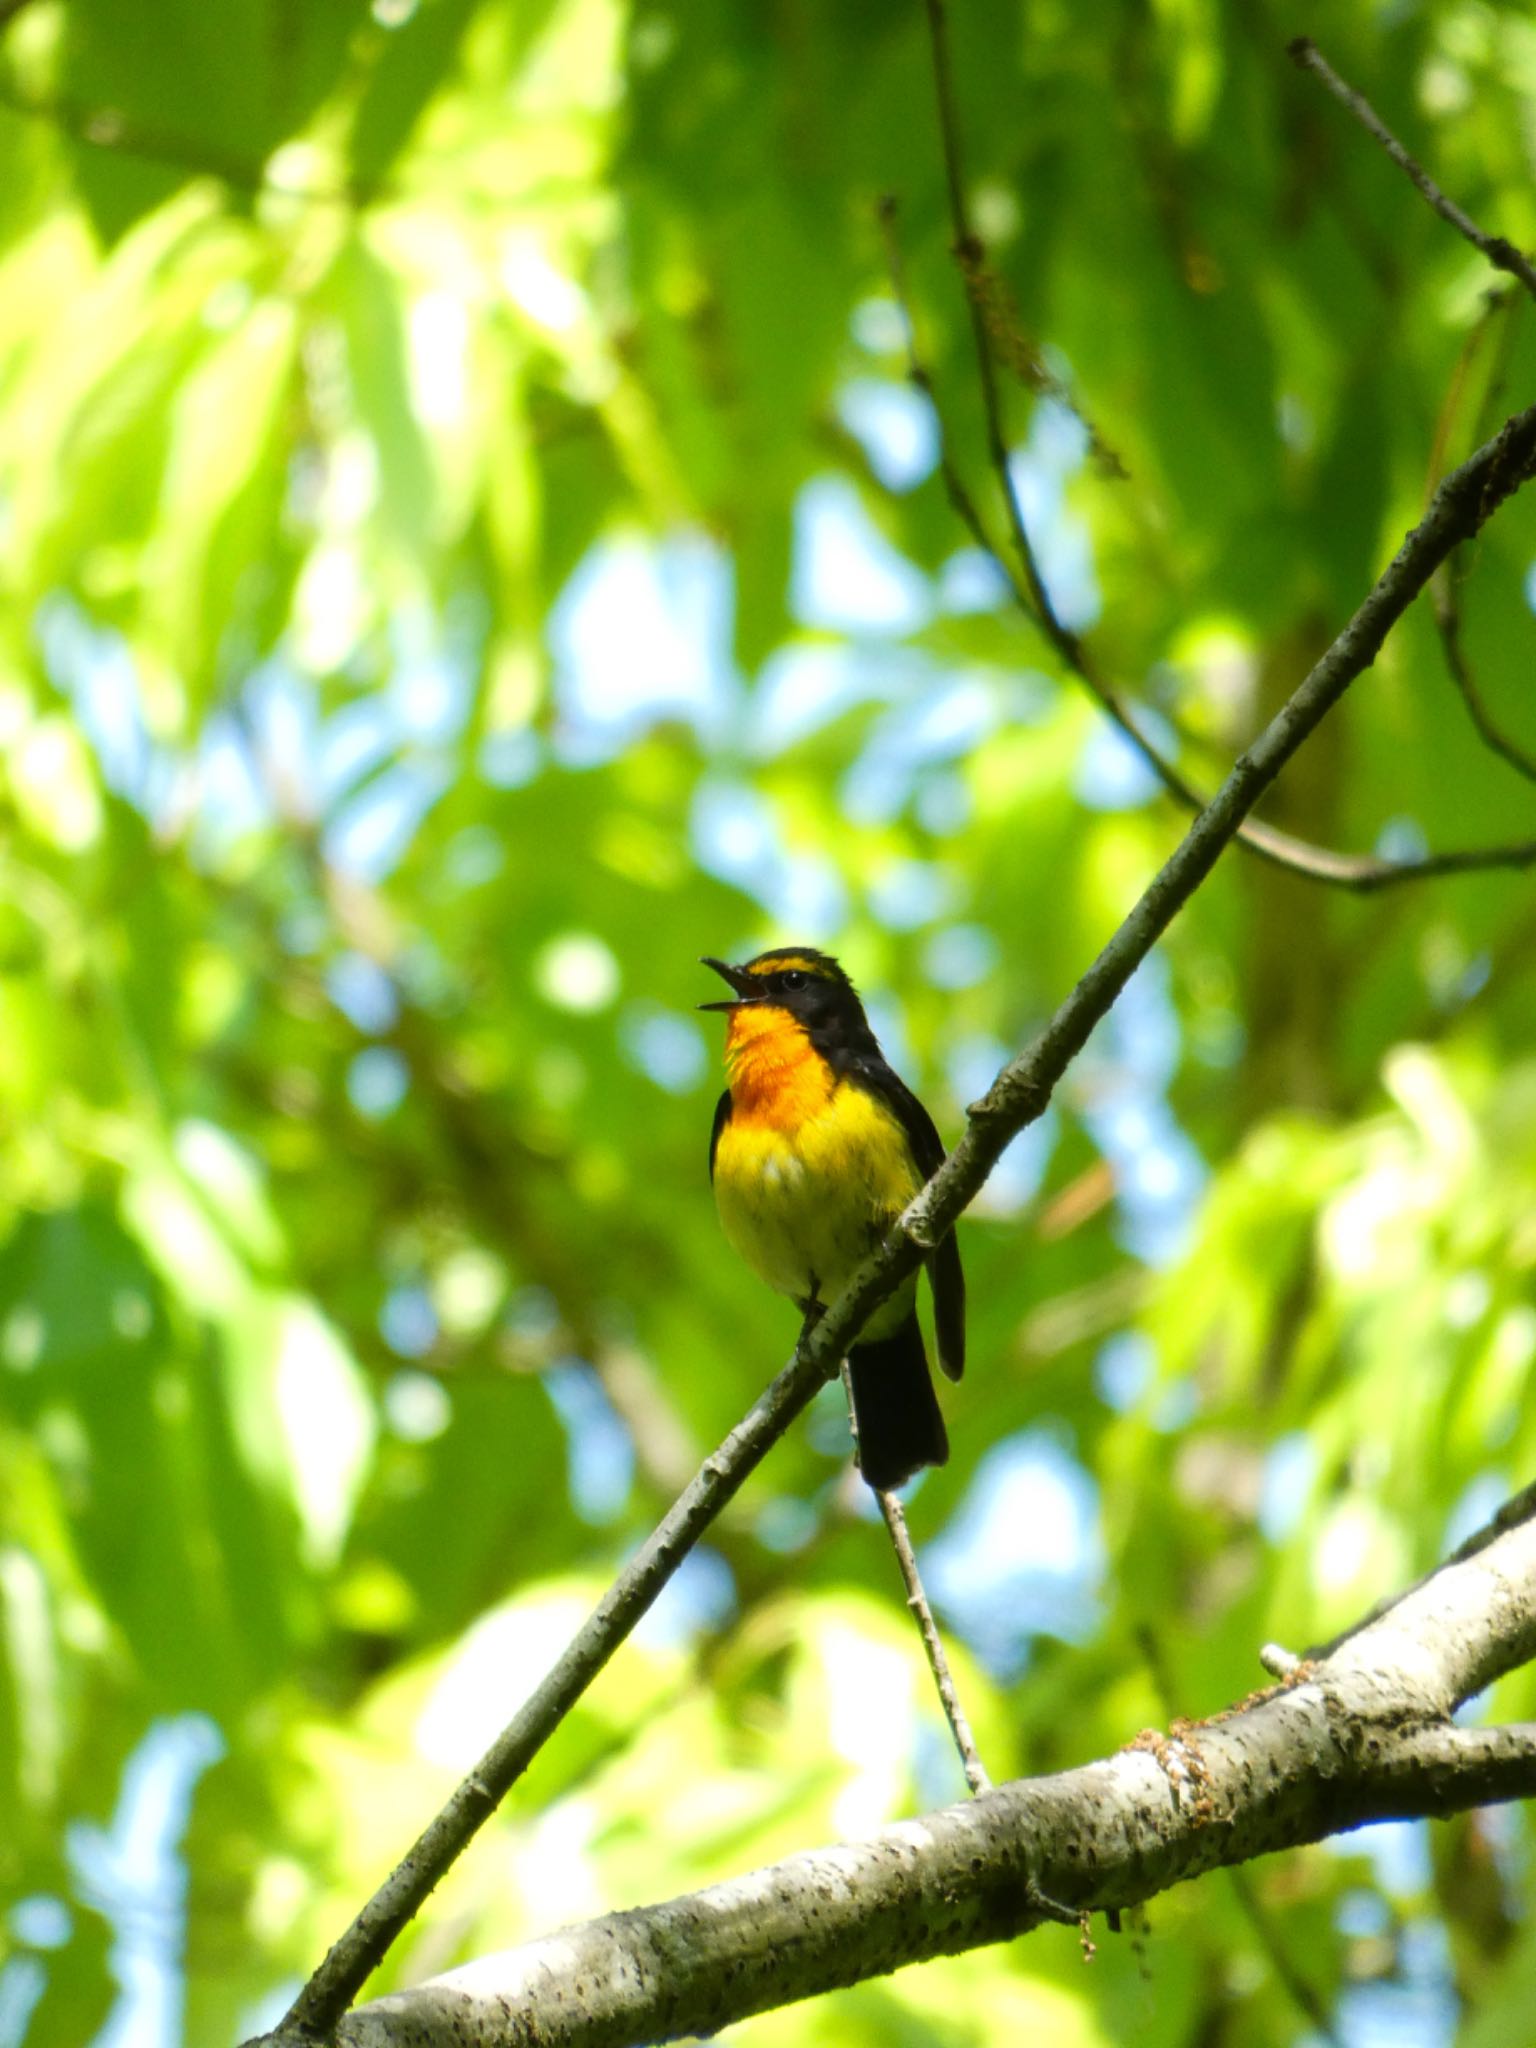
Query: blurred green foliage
[[468, 549]]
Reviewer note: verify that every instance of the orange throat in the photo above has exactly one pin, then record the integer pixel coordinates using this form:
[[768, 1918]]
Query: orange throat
[[777, 1076]]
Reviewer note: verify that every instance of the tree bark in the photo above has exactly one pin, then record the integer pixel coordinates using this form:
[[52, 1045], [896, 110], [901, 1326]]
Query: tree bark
[[1359, 1734]]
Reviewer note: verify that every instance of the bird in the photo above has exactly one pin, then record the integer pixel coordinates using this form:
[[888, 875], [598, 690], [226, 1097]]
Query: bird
[[817, 1147]]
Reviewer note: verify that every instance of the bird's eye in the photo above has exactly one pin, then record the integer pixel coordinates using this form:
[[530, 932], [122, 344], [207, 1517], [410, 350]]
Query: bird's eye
[[792, 978]]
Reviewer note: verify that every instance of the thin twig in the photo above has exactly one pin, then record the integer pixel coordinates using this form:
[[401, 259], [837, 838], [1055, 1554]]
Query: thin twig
[[1462, 504], [1362, 873], [1501, 253], [917, 1600], [917, 1603], [943, 1679], [970, 255]]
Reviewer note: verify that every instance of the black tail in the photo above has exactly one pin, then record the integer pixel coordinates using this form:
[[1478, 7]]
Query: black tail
[[895, 1411]]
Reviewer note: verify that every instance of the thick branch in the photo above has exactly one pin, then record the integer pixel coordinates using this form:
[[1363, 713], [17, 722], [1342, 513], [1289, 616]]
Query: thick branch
[[1460, 506], [1363, 1736]]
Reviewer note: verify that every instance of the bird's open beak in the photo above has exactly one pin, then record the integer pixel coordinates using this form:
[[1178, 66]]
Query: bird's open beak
[[739, 980]]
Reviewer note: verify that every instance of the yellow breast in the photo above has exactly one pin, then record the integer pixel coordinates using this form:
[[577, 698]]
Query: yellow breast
[[810, 1170]]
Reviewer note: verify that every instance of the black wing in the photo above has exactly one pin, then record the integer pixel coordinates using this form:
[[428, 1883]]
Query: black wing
[[945, 1275], [722, 1118]]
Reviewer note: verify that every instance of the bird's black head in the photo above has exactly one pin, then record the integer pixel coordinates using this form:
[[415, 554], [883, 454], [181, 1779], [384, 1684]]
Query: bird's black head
[[810, 985]]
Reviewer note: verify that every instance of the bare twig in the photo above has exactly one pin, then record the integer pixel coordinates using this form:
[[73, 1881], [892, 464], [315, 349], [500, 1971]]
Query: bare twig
[[1368, 873], [1462, 504], [943, 1679], [969, 254], [1501, 253], [917, 1604], [1362, 873]]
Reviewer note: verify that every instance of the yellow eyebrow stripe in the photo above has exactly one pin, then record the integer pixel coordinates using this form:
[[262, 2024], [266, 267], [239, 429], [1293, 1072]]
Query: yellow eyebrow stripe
[[791, 960]]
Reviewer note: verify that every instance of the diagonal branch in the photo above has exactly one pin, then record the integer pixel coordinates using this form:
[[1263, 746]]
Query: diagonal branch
[[1363, 1736], [1362, 873], [1500, 252], [1461, 505]]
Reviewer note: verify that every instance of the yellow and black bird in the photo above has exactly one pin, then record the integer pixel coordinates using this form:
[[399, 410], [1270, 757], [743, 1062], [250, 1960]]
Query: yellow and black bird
[[818, 1146]]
